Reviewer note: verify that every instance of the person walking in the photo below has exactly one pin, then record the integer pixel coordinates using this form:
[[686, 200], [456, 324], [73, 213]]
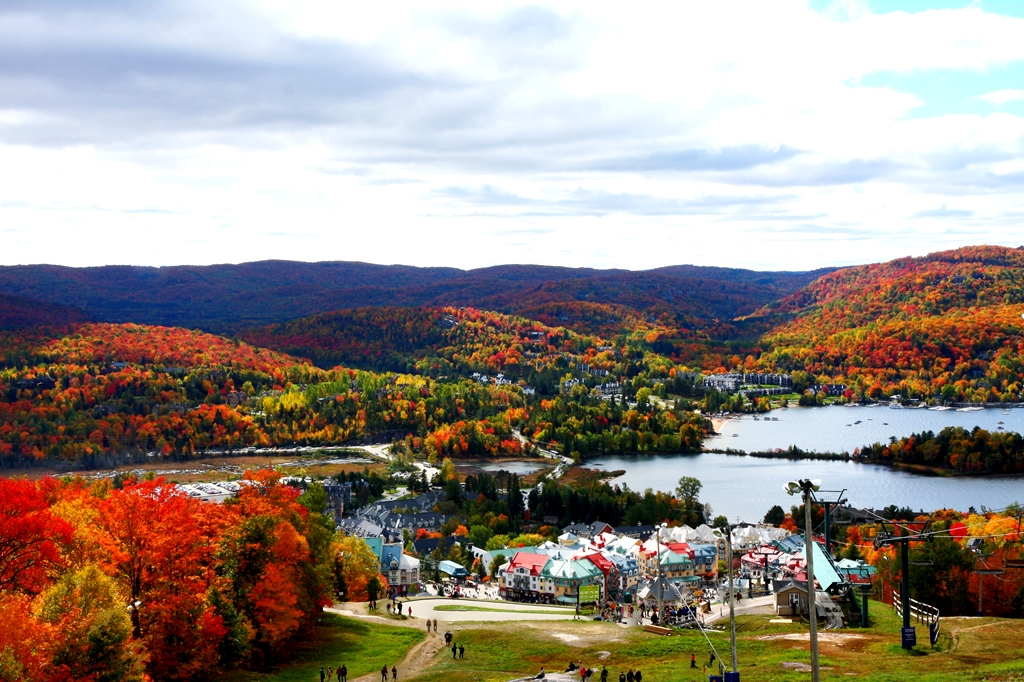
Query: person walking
[[384, 673], [343, 674], [455, 650], [693, 661], [322, 674], [435, 626], [638, 676], [462, 651], [394, 673], [604, 674], [629, 676]]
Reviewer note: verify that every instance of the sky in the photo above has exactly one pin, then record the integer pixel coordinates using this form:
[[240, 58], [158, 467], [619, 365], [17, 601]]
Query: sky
[[791, 134]]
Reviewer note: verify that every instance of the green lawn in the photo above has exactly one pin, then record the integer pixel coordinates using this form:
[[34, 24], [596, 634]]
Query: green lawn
[[766, 652], [986, 649], [460, 607], [362, 647]]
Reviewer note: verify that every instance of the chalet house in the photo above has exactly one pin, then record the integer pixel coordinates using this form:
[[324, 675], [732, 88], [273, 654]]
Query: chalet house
[[521, 578], [635, 531], [588, 530], [401, 570], [790, 597], [561, 580]]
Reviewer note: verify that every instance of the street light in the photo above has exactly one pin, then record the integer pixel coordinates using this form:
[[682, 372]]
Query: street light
[[661, 589], [732, 599], [807, 488]]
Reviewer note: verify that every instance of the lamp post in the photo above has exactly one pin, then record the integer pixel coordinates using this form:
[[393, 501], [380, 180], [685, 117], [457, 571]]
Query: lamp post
[[806, 488], [732, 595], [661, 589]]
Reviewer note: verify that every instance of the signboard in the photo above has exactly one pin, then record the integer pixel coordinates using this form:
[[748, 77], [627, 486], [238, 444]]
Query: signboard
[[589, 593], [909, 637]]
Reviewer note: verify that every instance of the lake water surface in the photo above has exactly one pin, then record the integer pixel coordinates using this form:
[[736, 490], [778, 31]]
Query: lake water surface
[[746, 487]]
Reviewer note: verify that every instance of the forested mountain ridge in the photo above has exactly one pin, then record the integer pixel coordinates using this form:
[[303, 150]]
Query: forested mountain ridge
[[17, 312], [947, 325], [221, 298]]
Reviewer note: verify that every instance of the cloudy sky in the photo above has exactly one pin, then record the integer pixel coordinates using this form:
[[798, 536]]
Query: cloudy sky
[[768, 135]]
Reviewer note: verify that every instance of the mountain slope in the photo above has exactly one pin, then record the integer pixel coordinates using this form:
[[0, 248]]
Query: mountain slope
[[947, 325], [17, 312], [224, 298]]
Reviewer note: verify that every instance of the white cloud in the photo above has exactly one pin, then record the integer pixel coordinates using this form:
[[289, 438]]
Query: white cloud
[[433, 134], [1003, 96]]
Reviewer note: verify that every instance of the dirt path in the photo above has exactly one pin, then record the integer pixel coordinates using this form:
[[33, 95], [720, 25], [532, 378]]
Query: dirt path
[[419, 657], [417, 660]]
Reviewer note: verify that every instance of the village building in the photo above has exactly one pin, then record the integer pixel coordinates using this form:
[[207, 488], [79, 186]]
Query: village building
[[561, 580], [521, 576]]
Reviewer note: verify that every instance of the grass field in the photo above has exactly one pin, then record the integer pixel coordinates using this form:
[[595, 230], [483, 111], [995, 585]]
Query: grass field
[[461, 607], [362, 647], [970, 649]]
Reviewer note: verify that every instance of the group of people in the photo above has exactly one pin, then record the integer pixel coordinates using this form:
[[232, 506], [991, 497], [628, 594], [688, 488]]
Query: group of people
[[458, 650], [384, 673], [431, 624], [326, 675], [586, 673], [396, 608]]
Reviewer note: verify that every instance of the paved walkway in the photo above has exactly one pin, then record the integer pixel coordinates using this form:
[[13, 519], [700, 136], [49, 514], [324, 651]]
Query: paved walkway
[[744, 607], [425, 607]]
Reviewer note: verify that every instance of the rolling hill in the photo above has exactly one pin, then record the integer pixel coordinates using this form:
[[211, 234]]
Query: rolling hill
[[946, 325], [225, 298]]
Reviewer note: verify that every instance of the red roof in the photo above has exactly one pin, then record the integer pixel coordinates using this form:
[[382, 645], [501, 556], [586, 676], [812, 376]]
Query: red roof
[[681, 548], [599, 560], [534, 562]]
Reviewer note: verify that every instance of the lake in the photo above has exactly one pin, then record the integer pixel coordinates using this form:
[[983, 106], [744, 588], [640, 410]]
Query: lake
[[835, 429], [744, 488]]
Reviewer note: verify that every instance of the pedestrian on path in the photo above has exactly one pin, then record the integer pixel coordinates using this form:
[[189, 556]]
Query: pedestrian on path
[[322, 674], [435, 626], [343, 674], [462, 651], [638, 676], [394, 673], [622, 677], [384, 673], [455, 650]]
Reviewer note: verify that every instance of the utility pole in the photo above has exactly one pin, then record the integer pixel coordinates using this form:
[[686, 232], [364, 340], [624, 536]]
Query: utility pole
[[829, 499], [661, 587], [983, 568], [807, 488], [732, 596], [912, 531], [733, 675]]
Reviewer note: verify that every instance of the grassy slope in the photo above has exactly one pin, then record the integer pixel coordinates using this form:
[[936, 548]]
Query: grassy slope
[[362, 647], [987, 648]]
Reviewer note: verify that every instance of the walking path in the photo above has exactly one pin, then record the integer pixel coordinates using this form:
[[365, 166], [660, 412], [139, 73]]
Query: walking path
[[420, 656], [425, 607], [744, 607]]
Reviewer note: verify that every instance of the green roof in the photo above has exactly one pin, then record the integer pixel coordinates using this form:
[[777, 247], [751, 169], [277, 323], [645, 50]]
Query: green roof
[[824, 570]]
